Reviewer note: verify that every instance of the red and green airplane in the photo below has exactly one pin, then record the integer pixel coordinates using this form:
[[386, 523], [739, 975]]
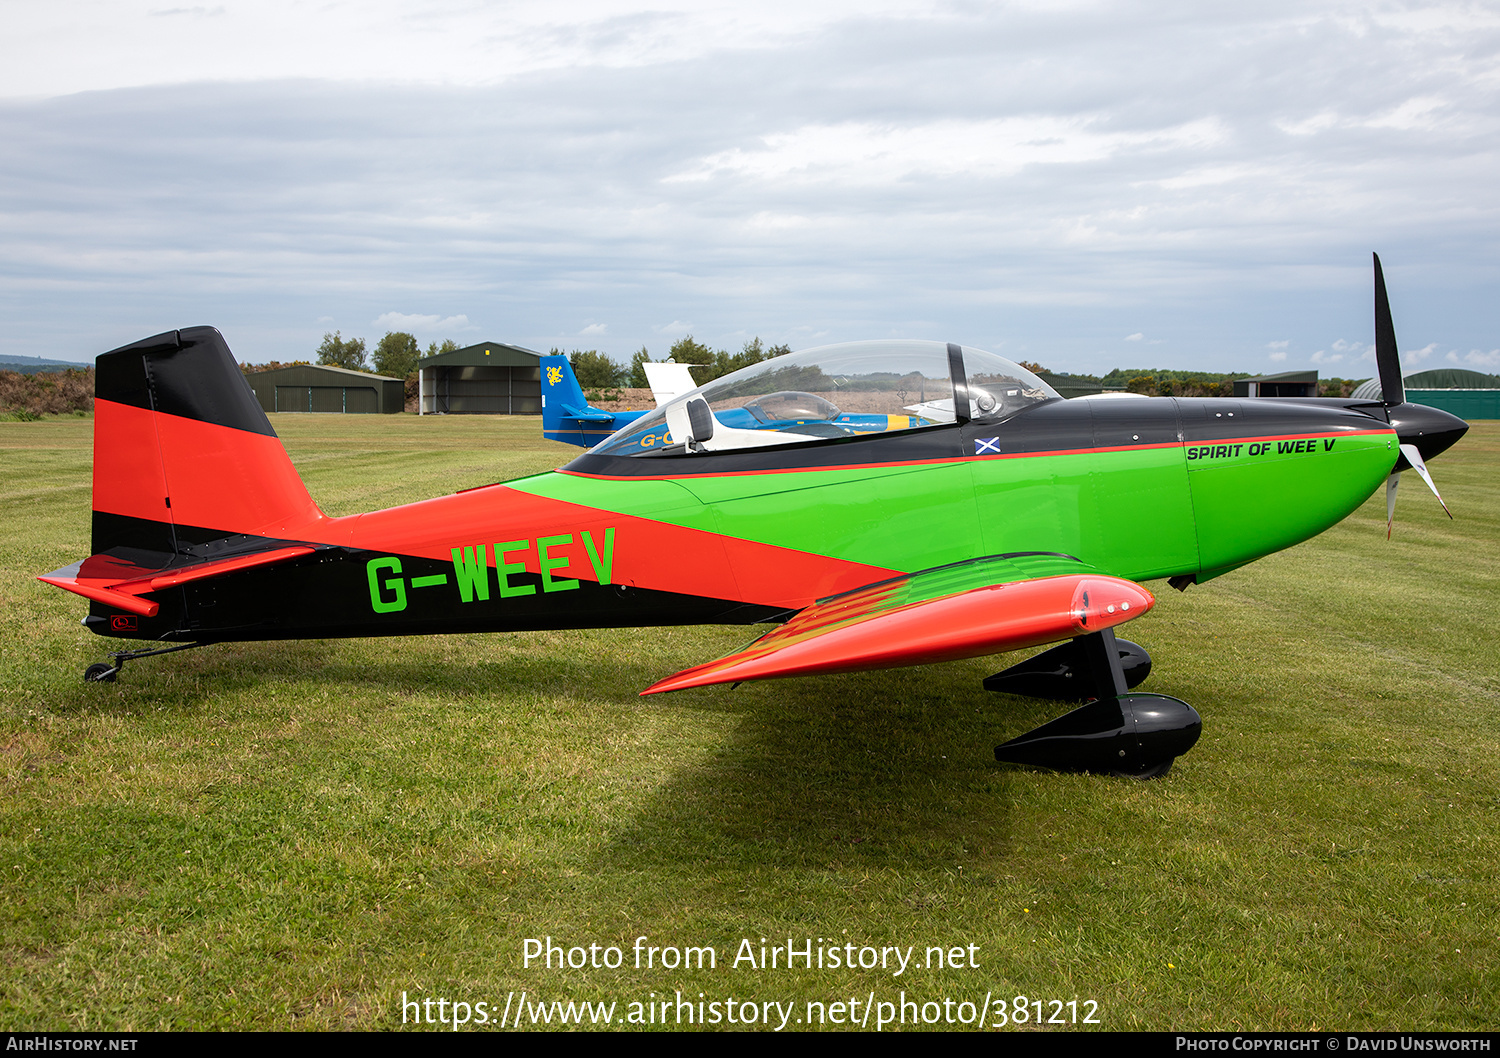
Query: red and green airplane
[[999, 518]]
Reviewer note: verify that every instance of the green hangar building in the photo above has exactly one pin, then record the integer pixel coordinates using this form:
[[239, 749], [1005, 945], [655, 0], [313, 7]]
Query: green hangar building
[[491, 378], [1457, 391], [1286, 384], [316, 387]]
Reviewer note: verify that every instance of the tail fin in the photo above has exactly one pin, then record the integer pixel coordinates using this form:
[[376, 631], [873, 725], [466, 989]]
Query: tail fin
[[566, 415], [183, 453], [669, 380]]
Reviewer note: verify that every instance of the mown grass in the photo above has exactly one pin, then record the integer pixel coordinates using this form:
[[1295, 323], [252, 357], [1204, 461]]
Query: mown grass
[[292, 835]]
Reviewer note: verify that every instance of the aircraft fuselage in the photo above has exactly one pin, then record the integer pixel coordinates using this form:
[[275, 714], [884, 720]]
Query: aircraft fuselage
[[1139, 488]]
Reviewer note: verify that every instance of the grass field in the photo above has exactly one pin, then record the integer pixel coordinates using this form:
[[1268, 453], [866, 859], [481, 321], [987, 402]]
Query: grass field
[[272, 836]]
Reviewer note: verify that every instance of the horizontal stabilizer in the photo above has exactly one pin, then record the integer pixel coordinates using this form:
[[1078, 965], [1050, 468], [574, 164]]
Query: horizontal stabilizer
[[970, 609], [119, 583]]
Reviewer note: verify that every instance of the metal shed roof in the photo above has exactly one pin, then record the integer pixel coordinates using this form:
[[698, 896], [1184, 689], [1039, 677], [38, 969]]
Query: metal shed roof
[[343, 373], [1433, 378], [1284, 376], [493, 354]]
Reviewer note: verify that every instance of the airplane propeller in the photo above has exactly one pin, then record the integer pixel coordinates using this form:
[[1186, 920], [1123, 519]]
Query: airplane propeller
[[1414, 458], [1387, 359], [1417, 427]]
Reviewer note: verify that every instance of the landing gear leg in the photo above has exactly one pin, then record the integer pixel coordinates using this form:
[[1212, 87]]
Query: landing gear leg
[[102, 672], [1074, 671], [1137, 735]]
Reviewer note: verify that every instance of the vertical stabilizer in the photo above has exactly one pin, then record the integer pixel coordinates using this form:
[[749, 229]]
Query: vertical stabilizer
[[566, 415], [183, 453]]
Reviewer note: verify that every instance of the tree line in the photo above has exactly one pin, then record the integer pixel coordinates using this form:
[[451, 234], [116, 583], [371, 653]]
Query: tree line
[[1159, 382], [395, 355], [595, 370]]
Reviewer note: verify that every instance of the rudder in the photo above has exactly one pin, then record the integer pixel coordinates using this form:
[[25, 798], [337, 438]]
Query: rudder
[[183, 453], [567, 415]]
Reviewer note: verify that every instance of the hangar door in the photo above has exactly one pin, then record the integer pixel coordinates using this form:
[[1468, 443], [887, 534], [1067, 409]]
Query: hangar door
[[485, 391], [360, 400], [1465, 403]]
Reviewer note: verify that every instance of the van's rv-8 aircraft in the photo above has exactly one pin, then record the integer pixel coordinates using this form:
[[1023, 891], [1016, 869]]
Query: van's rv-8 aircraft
[[801, 493]]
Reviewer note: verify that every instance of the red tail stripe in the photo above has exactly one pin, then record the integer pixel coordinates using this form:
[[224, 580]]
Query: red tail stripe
[[128, 476], [214, 476]]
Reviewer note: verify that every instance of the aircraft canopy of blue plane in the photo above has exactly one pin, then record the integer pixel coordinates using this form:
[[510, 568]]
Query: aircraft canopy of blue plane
[[830, 391]]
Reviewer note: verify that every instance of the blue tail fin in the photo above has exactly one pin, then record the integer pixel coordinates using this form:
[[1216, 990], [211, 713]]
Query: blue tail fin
[[566, 415]]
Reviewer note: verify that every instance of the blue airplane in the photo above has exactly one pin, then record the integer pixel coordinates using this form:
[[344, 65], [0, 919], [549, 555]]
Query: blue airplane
[[567, 415]]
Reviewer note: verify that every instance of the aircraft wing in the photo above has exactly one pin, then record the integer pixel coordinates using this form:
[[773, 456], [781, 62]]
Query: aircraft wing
[[969, 609]]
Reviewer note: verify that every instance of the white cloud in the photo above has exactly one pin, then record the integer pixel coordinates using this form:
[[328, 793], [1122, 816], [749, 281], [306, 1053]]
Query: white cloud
[[420, 324], [1354, 352], [595, 328], [1416, 356], [867, 154], [1137, 336], [1318, 122], [200, 12], [1477, 358], [112, 45], [1322, 357], [794, 169], [1412, 114], [1278, 356], [1418, 113], [1279, 345]]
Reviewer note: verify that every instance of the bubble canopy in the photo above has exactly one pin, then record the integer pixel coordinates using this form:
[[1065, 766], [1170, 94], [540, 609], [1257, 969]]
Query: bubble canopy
[[835, 391]]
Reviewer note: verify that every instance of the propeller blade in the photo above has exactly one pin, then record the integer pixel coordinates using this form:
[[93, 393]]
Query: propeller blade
[[1391, 484], [1414, 457], [1387, 359]]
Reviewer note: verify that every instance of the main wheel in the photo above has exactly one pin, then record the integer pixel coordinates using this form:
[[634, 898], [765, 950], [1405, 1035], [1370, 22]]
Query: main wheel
[[1154, 772], [100, 673]]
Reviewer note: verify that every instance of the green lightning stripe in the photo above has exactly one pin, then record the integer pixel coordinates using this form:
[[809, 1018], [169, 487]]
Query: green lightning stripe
[[1136, 512]]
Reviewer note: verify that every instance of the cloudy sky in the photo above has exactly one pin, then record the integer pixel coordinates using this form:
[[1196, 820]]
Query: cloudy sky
[[1087, 185]]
